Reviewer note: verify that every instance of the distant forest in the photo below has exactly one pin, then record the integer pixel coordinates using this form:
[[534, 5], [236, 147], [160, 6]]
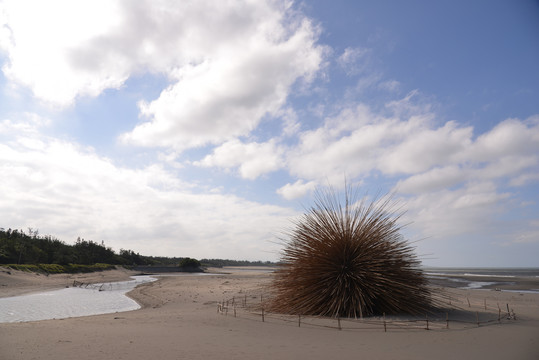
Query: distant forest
[[19, 247]]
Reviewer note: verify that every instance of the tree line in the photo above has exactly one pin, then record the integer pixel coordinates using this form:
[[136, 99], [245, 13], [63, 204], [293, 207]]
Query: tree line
[[20, 247], [227, 262]]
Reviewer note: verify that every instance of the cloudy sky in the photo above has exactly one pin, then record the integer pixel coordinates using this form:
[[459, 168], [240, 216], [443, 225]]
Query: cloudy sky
[[201, 128]]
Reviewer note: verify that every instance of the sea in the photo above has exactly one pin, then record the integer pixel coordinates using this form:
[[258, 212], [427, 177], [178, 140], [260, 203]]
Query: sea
[[525, 280]]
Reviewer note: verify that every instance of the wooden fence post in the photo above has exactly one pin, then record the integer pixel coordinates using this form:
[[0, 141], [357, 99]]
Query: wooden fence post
[[427, 319], [447, 320], [339, 323], [299, 320], [385, 327], [263, 315], [477, 316]]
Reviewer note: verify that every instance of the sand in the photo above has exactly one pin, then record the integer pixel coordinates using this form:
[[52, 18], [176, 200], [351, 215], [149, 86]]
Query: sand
[[13, 282], [179, 320]]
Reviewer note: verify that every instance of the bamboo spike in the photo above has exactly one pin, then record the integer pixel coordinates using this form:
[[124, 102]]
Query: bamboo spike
[[348, 259]]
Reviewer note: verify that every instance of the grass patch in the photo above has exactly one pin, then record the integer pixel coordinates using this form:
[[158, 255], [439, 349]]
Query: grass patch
[[60, 269]]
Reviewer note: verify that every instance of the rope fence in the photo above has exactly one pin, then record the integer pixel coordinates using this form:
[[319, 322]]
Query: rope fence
[[461, 313]]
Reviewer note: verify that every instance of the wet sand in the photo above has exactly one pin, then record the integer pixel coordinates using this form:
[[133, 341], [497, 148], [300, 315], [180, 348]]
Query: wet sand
[[179, 320], [13, 282], [489, 282]]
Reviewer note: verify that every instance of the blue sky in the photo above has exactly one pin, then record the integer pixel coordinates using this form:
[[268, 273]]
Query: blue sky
[[186, 129]]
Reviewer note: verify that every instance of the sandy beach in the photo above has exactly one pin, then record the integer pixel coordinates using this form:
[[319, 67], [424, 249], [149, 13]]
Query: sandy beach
[[13, 282], [179, 320]]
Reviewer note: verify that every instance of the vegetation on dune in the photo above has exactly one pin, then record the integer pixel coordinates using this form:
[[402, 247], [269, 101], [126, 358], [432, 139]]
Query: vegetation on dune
[[60, 269], [347, 258]]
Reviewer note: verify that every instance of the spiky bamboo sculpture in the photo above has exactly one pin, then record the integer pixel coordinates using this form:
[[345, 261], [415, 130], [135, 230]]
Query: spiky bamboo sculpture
[[349, 260]]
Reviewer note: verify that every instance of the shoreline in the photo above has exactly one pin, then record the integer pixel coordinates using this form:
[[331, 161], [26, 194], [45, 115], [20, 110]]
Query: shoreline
[[485, 282], [16, 283]]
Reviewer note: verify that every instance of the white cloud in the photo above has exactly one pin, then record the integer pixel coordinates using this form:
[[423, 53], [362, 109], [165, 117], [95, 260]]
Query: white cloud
[[455, 184], [291, 125], [253, 159], [41, 45], [407, 141], [432, 180], [511, 137], [389, 85], [335, 148], [29, 123], [359, 141], [422, 147], [69, 191], [227, 93], [507, 166], [453, 175], [297, 189], [354, 60], [524, 179], [464, 211], [228, 65], [367, 82]]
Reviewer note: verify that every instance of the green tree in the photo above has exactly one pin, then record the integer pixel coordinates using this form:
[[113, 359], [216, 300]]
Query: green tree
[[189, 263]]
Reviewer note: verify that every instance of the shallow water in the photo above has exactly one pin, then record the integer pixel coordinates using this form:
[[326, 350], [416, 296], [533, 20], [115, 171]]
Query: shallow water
[[485, 278], [94, 299]]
